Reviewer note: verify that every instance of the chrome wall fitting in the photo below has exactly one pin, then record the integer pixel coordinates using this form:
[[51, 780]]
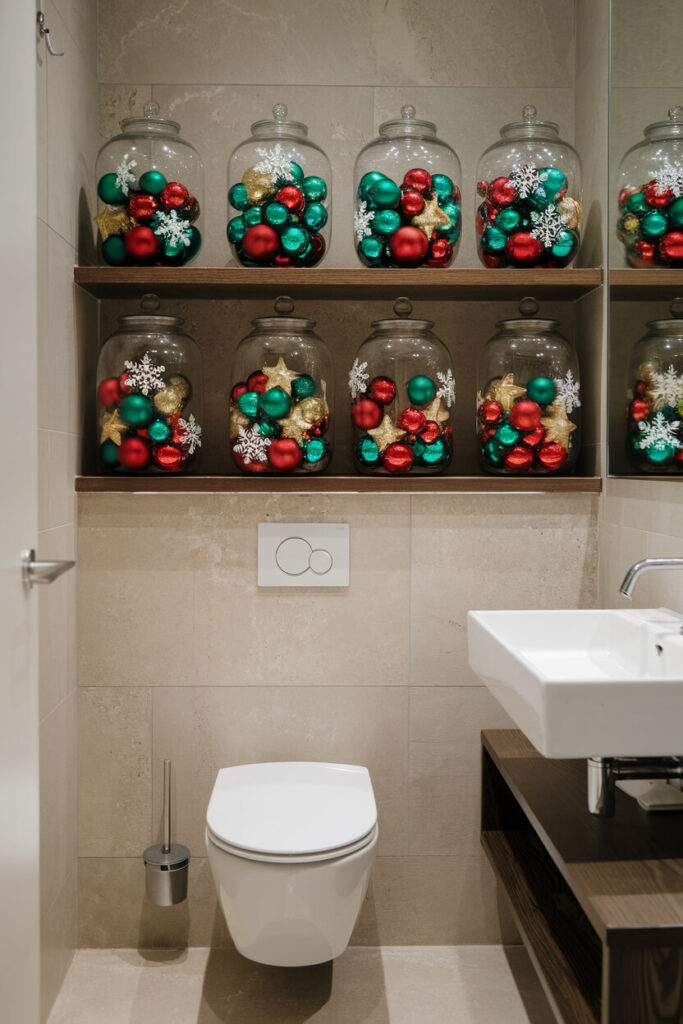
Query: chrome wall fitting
[[166, 864], [603, 773], [45, 34], [34, 571]]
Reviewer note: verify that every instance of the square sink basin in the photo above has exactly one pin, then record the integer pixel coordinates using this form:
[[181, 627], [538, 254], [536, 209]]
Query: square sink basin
[[585, 683]]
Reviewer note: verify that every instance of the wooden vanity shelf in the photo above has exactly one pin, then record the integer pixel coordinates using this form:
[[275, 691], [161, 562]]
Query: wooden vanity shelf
[[598, 902]]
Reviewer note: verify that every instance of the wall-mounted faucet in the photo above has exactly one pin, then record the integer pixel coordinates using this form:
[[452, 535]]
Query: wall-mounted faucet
[[629, 581]]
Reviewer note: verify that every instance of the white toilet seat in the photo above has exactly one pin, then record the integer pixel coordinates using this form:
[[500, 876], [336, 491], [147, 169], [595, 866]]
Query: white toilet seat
[[274, 858]]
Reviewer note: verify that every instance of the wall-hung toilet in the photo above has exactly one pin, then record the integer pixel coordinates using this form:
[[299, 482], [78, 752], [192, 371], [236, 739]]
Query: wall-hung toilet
[[291, 846]]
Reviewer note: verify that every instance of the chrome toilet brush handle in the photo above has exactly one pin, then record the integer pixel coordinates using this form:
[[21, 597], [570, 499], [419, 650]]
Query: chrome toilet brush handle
[[166, 864], [166, 848]]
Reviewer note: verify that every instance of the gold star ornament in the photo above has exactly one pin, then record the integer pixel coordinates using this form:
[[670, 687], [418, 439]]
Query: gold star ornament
[[436, 412], [280, 376], [258, 185], [237, 420], [303, 417], [386, 433], [558, 426], [111, 427], [431, 218], [505, 391], [114, 221]]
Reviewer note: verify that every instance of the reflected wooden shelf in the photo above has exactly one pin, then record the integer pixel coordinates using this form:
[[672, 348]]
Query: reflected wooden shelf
[[226, 282], [339, 485], [635, 283]]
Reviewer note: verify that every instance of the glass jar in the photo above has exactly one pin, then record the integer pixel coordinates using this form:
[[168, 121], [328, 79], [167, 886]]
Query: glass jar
[[655, 397], [529, 184], [528, 407], [279, 196], [650, 184], [150, 185], [148, 395], [407, 196], [402, 395], [281, 398]]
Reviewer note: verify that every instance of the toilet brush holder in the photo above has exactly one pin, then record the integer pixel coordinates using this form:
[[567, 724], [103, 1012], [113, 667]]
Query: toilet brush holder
[[166, 864]]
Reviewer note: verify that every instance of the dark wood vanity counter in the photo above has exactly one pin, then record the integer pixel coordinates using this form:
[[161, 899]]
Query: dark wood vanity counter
[[599, 902]]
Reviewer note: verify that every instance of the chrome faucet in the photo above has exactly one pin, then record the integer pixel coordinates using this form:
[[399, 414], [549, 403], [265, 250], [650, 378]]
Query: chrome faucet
[[629, 581]]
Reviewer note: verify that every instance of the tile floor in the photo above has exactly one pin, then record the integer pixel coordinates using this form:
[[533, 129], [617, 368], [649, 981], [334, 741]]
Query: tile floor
[[367, 985]]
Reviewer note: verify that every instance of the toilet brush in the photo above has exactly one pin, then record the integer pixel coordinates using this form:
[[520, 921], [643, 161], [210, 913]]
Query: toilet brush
[[166, 864]]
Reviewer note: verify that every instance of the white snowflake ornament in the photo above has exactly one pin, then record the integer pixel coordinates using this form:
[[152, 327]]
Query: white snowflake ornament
[[358, 378], [527, 181], [252, 446], [124, 175], [275, 163], [191, 436], [670, 178], [547, 226], [446, 389], [172, 228], [144, 376], [362, 219], [659, 432], [568, 390], [666, 388]]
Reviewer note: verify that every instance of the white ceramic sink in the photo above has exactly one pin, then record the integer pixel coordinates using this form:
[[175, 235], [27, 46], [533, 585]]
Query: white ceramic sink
[[585, 683]]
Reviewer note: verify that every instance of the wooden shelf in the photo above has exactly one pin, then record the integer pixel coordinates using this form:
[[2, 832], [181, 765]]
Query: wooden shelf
[[339, 484], [635, 283], [225, 282]]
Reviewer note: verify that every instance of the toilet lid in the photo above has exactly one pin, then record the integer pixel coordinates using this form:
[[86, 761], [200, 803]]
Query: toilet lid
[[292, 808]]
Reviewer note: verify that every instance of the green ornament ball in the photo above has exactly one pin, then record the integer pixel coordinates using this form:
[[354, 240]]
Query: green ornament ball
[[248, 404], [316, 449], [451, 232], [195, 244], [385, 222], [675, 212], [314, 216], [660, 451], [136, 410], [114, 251], [275, 214], [637, 203], [109, 453], [653, 224], [493, 239], [367, 181], [302, 255], [253, 215], [552, 182], [443, 187], [158, 430], [384, 194], [266, 427], [370, 250], [153, 182], [236, 229], [237, 197], [541, 390], [418, 447], [508, 219], [296, 173], [564, 245], [421, 389], [492, 452], [435, 452], [294, 240], [367, 451], [506, 436], [303, 387], [108, 191], [274, 402], [314, 189]]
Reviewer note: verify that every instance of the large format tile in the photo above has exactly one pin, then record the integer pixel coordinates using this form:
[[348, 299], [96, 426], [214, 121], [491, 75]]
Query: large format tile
[[58, 800], [57, 636], [58, 940]]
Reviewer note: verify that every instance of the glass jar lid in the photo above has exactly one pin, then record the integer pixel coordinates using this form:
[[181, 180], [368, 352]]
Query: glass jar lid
[[150, 122], [528, 307], [283, 306], [676, 319], [403, 307], [530, 127], [672, 128], [280, 126], [408, 126], [149, 319]]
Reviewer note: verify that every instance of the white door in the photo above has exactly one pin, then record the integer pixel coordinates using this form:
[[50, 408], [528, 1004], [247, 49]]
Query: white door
[[19, 837]]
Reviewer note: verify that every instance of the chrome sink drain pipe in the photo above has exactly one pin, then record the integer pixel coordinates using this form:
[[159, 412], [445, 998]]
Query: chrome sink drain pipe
[[603, 773]]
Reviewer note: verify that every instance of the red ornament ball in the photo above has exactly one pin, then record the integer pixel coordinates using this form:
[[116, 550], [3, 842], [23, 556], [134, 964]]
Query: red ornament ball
[[482, 187], [678, 456], [317, 250], [411, 203], [523, 249], [398, 458], [519, 457], [134, 453], [411, 420], [456, 194], [382, 389], [645, 251], [257, 382], [140, 243], [625, 195], [654, 196], [552, 456], [501, 191], [490, 412], [190, 210], [534, 437], [639, 409], [291, 197], [109, 391], [491, 211], [285, 454], [490, 260], [249, 467], [174, 196], [366, 413], [142, 206], [671, 247], [430, 431], [238, 390], [478, 222], [168, 457], [525, 415], [261, 242], [123, 383], [408, 246], [418, 179], [283, 260], [440, 253]]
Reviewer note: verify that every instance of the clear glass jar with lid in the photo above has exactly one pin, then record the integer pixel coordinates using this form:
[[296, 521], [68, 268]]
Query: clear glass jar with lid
[[529, 401], [402, 397], [655, 397], [650, 196], [281, 395], [279, 196], [529, 206], [150, 184], [149, 395], [407, 196]]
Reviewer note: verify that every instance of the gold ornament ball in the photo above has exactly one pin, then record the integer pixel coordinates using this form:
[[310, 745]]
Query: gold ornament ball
[[570, 212], [258, 185], [168, 401], [182, 386], [647, 370]]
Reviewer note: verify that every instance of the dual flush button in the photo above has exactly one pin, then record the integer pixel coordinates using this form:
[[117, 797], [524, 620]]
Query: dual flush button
[[303, 555]]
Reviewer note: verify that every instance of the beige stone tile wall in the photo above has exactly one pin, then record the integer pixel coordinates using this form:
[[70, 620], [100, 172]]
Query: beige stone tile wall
[[182, 656]]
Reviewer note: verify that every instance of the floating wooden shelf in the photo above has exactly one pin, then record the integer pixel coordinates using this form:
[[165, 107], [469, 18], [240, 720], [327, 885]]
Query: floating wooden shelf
[[635, 283], [224, 282], [340, 484]]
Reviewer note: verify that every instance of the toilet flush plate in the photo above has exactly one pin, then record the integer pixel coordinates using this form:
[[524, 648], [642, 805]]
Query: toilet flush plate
[[303, 555]]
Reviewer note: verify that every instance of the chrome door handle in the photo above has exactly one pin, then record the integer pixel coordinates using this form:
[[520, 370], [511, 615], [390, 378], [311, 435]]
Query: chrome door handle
[[33, 571]]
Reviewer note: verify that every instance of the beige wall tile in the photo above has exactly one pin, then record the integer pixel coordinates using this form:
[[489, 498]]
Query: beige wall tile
[[117, 102], [236, 725], [58, 826], [80, 19], [57, 626], [59, 397], [58, 938], [58, 458], [115, 771], [646, 50]]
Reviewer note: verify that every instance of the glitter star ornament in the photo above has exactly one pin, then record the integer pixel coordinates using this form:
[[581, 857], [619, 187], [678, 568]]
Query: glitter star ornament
[[386, 433], [114, 220], [505, 391], [431, 218], [280, 376], [112, 427], [558, 427]]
